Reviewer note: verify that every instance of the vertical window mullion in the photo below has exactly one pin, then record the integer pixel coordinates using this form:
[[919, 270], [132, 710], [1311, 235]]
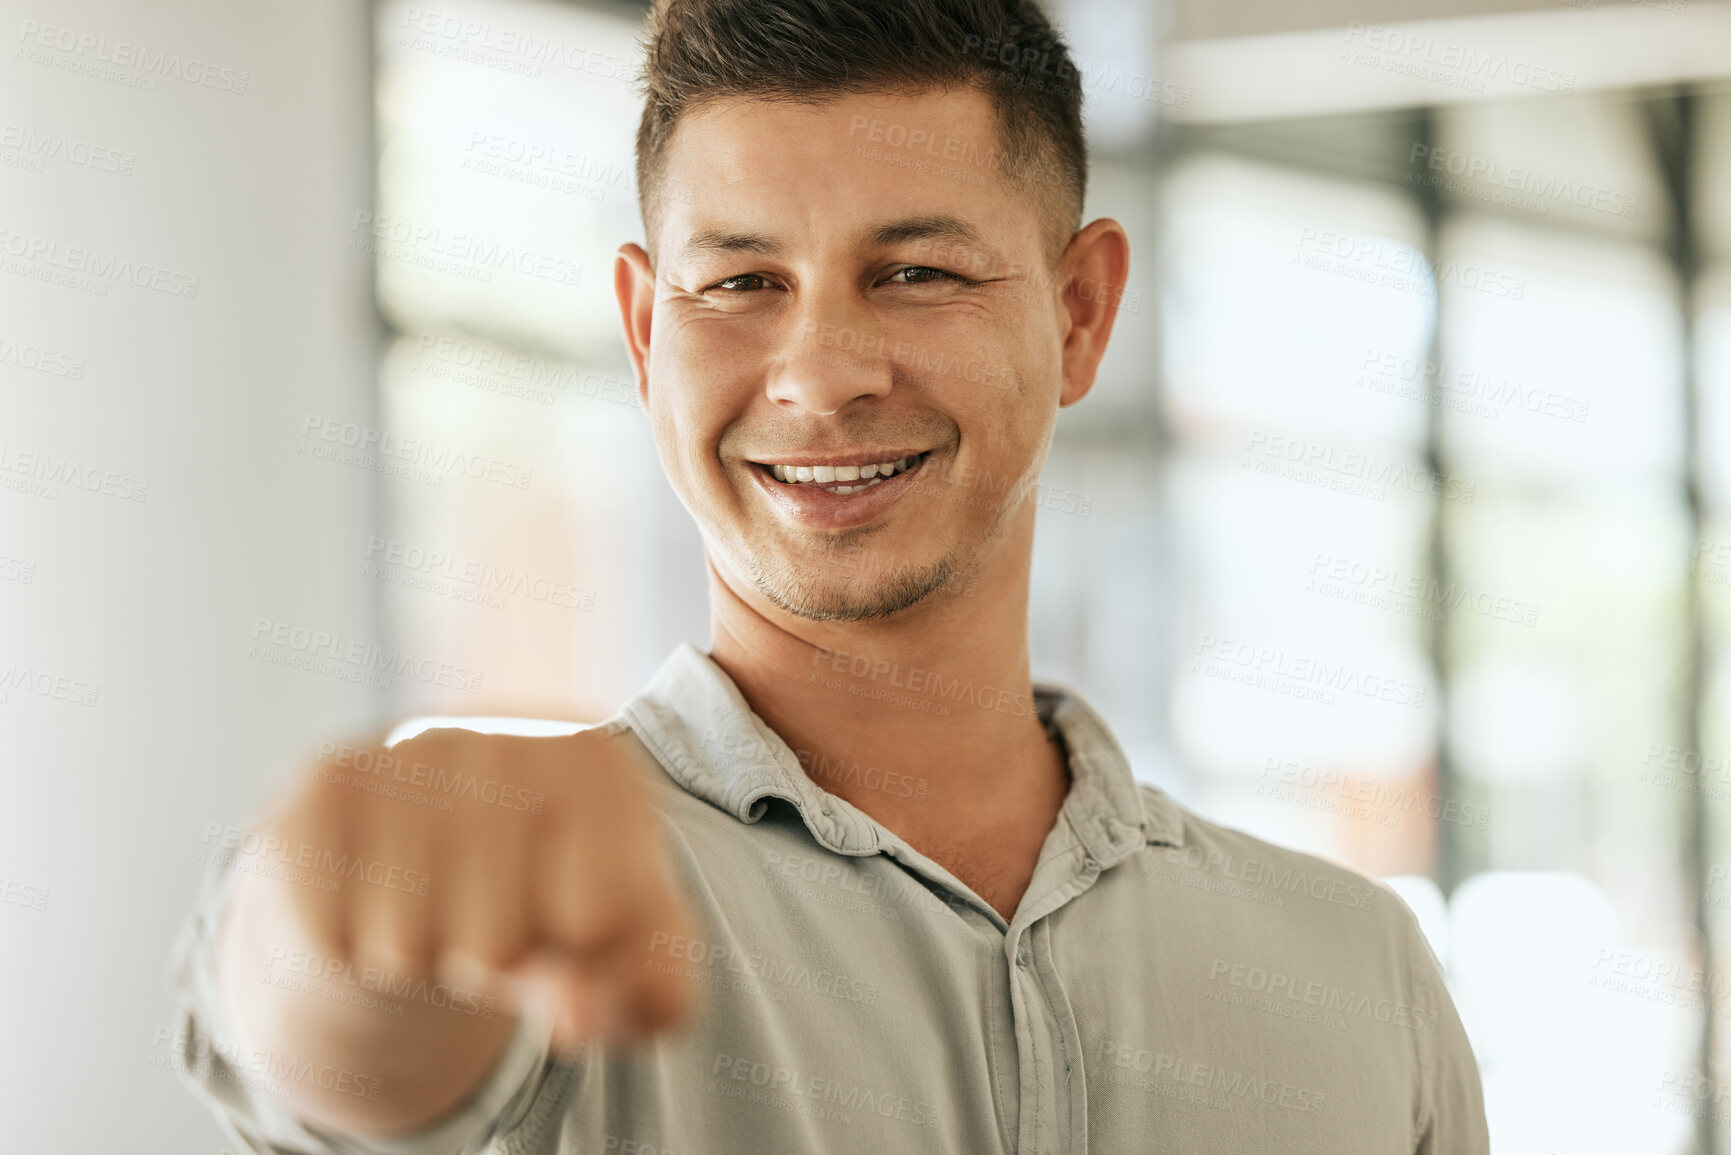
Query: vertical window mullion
[[1671, 126]]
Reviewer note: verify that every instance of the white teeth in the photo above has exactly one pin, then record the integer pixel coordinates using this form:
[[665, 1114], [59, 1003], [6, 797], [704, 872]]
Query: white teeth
[[828, 475], [845, 489]]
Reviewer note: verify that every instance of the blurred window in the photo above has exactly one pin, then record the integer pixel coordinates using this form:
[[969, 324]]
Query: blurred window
[[1425, 381], [558, 563]]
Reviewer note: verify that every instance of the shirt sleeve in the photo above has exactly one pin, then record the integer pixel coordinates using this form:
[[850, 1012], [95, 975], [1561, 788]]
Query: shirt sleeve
[[1452, 1106], [245, 1093]]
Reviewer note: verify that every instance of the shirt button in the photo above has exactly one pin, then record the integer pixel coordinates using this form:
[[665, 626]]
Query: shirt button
[[1022, 955]]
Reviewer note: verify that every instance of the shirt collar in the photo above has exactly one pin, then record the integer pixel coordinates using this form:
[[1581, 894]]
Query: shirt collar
[[694, 719]]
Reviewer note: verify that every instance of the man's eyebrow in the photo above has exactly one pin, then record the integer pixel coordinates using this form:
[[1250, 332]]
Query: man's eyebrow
[[931, 227], [722, 241], [935, 227]]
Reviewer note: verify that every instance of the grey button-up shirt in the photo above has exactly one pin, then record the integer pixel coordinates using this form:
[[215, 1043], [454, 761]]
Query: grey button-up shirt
[[1165, 985]]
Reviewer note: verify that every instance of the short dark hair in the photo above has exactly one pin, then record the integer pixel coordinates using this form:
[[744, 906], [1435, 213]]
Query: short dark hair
[[699, 51]]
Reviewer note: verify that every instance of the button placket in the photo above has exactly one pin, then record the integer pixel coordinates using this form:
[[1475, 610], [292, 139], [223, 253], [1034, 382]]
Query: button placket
[[1047, 1109], [1063, 1106]]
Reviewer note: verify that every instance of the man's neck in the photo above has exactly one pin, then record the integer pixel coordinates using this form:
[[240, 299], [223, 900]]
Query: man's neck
[[925, 721]]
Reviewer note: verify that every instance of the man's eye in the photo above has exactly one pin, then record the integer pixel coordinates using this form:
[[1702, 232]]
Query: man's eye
[[923, 274], [744, 283]]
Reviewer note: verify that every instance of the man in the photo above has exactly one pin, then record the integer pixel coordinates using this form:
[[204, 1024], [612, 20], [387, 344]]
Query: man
[[851, 881]]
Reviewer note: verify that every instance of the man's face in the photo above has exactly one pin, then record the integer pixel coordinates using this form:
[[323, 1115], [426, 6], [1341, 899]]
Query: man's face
[[829, 305]]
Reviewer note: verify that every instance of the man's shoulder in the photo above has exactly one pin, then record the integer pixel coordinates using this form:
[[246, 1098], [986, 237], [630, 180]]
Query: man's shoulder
[[1259, 888]]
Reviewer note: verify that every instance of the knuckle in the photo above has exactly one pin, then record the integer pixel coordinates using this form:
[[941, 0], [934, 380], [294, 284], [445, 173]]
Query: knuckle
[[320, 919], [393, 925], [394, 955], [497, 945], [594, 930]]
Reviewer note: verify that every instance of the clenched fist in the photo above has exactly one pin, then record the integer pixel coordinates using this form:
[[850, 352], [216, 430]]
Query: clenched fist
[[447, 874]]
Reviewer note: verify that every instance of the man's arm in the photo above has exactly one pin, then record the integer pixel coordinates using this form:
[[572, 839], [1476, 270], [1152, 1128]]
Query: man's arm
[[544, 887]]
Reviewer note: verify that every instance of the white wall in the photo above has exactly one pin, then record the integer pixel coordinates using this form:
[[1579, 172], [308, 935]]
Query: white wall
[[104, 806]]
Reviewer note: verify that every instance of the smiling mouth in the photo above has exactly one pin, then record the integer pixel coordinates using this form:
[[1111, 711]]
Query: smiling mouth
[[843, 479]]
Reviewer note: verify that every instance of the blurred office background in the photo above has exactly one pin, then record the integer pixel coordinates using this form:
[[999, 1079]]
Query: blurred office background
[[1402, 518]]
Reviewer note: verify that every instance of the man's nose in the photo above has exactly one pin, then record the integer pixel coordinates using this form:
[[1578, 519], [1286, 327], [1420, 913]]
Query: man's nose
[[826, 363]]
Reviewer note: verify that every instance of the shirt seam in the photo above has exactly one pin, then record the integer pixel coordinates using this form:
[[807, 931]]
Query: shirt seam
[[1005, 1134], [1047, 973], [1425, 1060]]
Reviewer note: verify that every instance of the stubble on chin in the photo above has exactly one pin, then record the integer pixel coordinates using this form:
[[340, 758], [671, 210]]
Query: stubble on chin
[[817, 593]]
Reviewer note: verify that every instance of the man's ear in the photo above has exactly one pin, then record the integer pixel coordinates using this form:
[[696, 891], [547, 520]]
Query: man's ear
[[1092, 272], [634, 286]]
